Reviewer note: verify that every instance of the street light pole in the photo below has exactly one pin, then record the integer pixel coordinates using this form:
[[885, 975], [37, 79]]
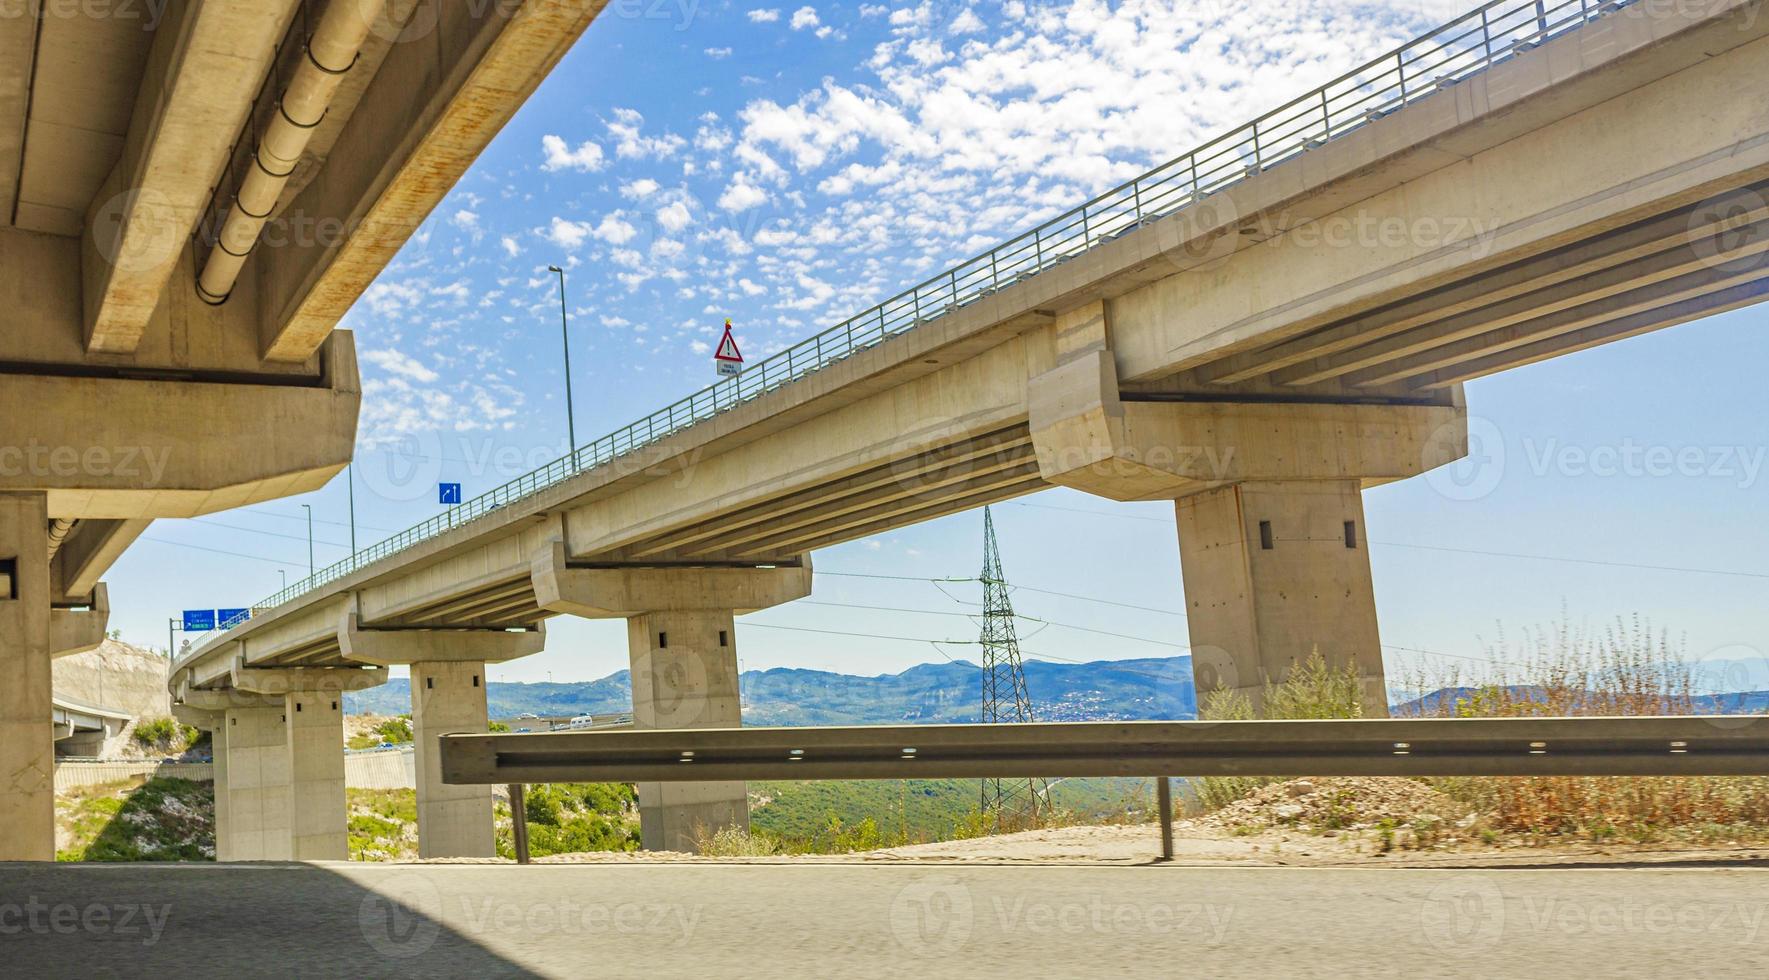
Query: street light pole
[[565, 332], [309, 509], [351, 472]]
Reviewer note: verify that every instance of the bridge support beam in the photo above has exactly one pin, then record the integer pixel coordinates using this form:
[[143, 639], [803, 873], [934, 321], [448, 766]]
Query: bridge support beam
[[313, 709], [448, 698], [684, 673], [453, 821], [252, 784], [1268, 499], [682, 648], [27, 739]]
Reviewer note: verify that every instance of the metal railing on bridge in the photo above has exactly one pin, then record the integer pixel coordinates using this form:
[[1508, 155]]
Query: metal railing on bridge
[[1469, 44]]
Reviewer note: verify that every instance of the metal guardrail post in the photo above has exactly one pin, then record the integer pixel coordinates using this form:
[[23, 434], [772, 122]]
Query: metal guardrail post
[[519, 821], [1164, 804]]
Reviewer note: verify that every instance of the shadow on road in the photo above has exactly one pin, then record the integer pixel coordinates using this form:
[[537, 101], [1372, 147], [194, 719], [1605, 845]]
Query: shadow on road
[[234, 920]]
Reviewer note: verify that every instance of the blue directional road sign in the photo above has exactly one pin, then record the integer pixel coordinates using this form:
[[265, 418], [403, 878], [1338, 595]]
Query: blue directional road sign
[[229, 618], [199, 620], [449, 493]]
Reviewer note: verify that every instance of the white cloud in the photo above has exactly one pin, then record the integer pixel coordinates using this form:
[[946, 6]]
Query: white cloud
[[614, 229], [804, 17], [643, 187], [567, 234], [764, 15], [674, 216], [465, 220], [510, 247], [630, 143], [718, 54], [741, 196], [967, 22], [560, 156], [395, 362]]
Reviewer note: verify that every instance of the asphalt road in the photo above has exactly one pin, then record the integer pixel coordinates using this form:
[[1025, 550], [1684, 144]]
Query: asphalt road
[[808, 920]]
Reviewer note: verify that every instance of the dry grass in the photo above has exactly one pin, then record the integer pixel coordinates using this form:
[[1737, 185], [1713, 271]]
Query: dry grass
[[1624, 669]]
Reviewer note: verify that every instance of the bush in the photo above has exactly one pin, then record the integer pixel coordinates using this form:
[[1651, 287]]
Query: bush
[[1624, 669], [164, 733], [1313, 690]]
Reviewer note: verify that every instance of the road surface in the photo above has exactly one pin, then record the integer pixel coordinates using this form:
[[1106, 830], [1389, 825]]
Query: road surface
[[706, 920]]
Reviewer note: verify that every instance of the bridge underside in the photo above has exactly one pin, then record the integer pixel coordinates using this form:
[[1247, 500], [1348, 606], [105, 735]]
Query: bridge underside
[[1258, 356]]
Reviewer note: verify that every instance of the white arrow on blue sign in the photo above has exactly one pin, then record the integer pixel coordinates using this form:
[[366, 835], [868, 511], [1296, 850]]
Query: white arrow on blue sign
[[449, 493]]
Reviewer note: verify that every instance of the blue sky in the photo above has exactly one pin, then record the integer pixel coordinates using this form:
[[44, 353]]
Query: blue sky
[[788, 166]]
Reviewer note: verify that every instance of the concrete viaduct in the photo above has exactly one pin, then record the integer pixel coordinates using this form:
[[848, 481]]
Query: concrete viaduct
[[1257, 340]]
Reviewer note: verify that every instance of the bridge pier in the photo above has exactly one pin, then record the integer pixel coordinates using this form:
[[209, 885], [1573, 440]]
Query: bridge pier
[[254, 778], [1268, 502], [453, 821], [682, 649], [27, 739], [684, 673], [312, 703], [448, 698]]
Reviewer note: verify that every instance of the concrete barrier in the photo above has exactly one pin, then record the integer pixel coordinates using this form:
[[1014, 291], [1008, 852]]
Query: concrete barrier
[[381, 769]]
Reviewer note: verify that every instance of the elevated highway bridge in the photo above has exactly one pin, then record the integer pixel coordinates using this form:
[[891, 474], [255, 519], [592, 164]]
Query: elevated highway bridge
[[1257, 330]]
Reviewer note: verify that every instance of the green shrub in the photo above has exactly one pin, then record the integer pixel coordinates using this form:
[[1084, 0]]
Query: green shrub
[[1313, 690]]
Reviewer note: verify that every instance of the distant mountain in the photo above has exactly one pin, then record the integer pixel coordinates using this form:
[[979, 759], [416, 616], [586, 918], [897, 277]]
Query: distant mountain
[[1159, 688], [944, 693]]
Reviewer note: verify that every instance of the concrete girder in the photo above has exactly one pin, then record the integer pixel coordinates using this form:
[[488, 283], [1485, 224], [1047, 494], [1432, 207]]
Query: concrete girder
[[625, 591], [1736, 297], [199, 84], [1089, 439], [221, 700], [18, 48], [74, 631], [1507, 195], [306, 680], [399, 155], [129, 449], [1529, 276], [89, 552], [1708, 278], [925, 471], [436, 646]]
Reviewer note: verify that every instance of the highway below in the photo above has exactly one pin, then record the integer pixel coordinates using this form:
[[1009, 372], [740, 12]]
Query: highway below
[[706, 919]]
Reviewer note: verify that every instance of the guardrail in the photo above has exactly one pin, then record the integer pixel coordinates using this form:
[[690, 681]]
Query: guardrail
[[1708, 745], [1462, 47]]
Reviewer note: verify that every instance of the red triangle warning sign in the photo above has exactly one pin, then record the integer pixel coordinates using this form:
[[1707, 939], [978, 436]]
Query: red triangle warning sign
[[728, 348]]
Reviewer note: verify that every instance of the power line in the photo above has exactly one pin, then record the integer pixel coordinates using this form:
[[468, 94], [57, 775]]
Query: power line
[[1688, 569], [269, 534], [973, 617], [1578, 561], [219, 551]]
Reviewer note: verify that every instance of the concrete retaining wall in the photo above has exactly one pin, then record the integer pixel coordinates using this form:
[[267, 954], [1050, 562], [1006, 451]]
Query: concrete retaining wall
[[385, 769]]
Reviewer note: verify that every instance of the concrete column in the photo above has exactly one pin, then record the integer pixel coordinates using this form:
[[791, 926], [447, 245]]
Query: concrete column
[[684, 674], [218, 757], [318, 819], [27, 741], [453, 821], [1273, 572], [256, 784]]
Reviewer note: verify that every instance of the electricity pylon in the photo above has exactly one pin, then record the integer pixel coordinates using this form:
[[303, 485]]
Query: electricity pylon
[[1016, 804]]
